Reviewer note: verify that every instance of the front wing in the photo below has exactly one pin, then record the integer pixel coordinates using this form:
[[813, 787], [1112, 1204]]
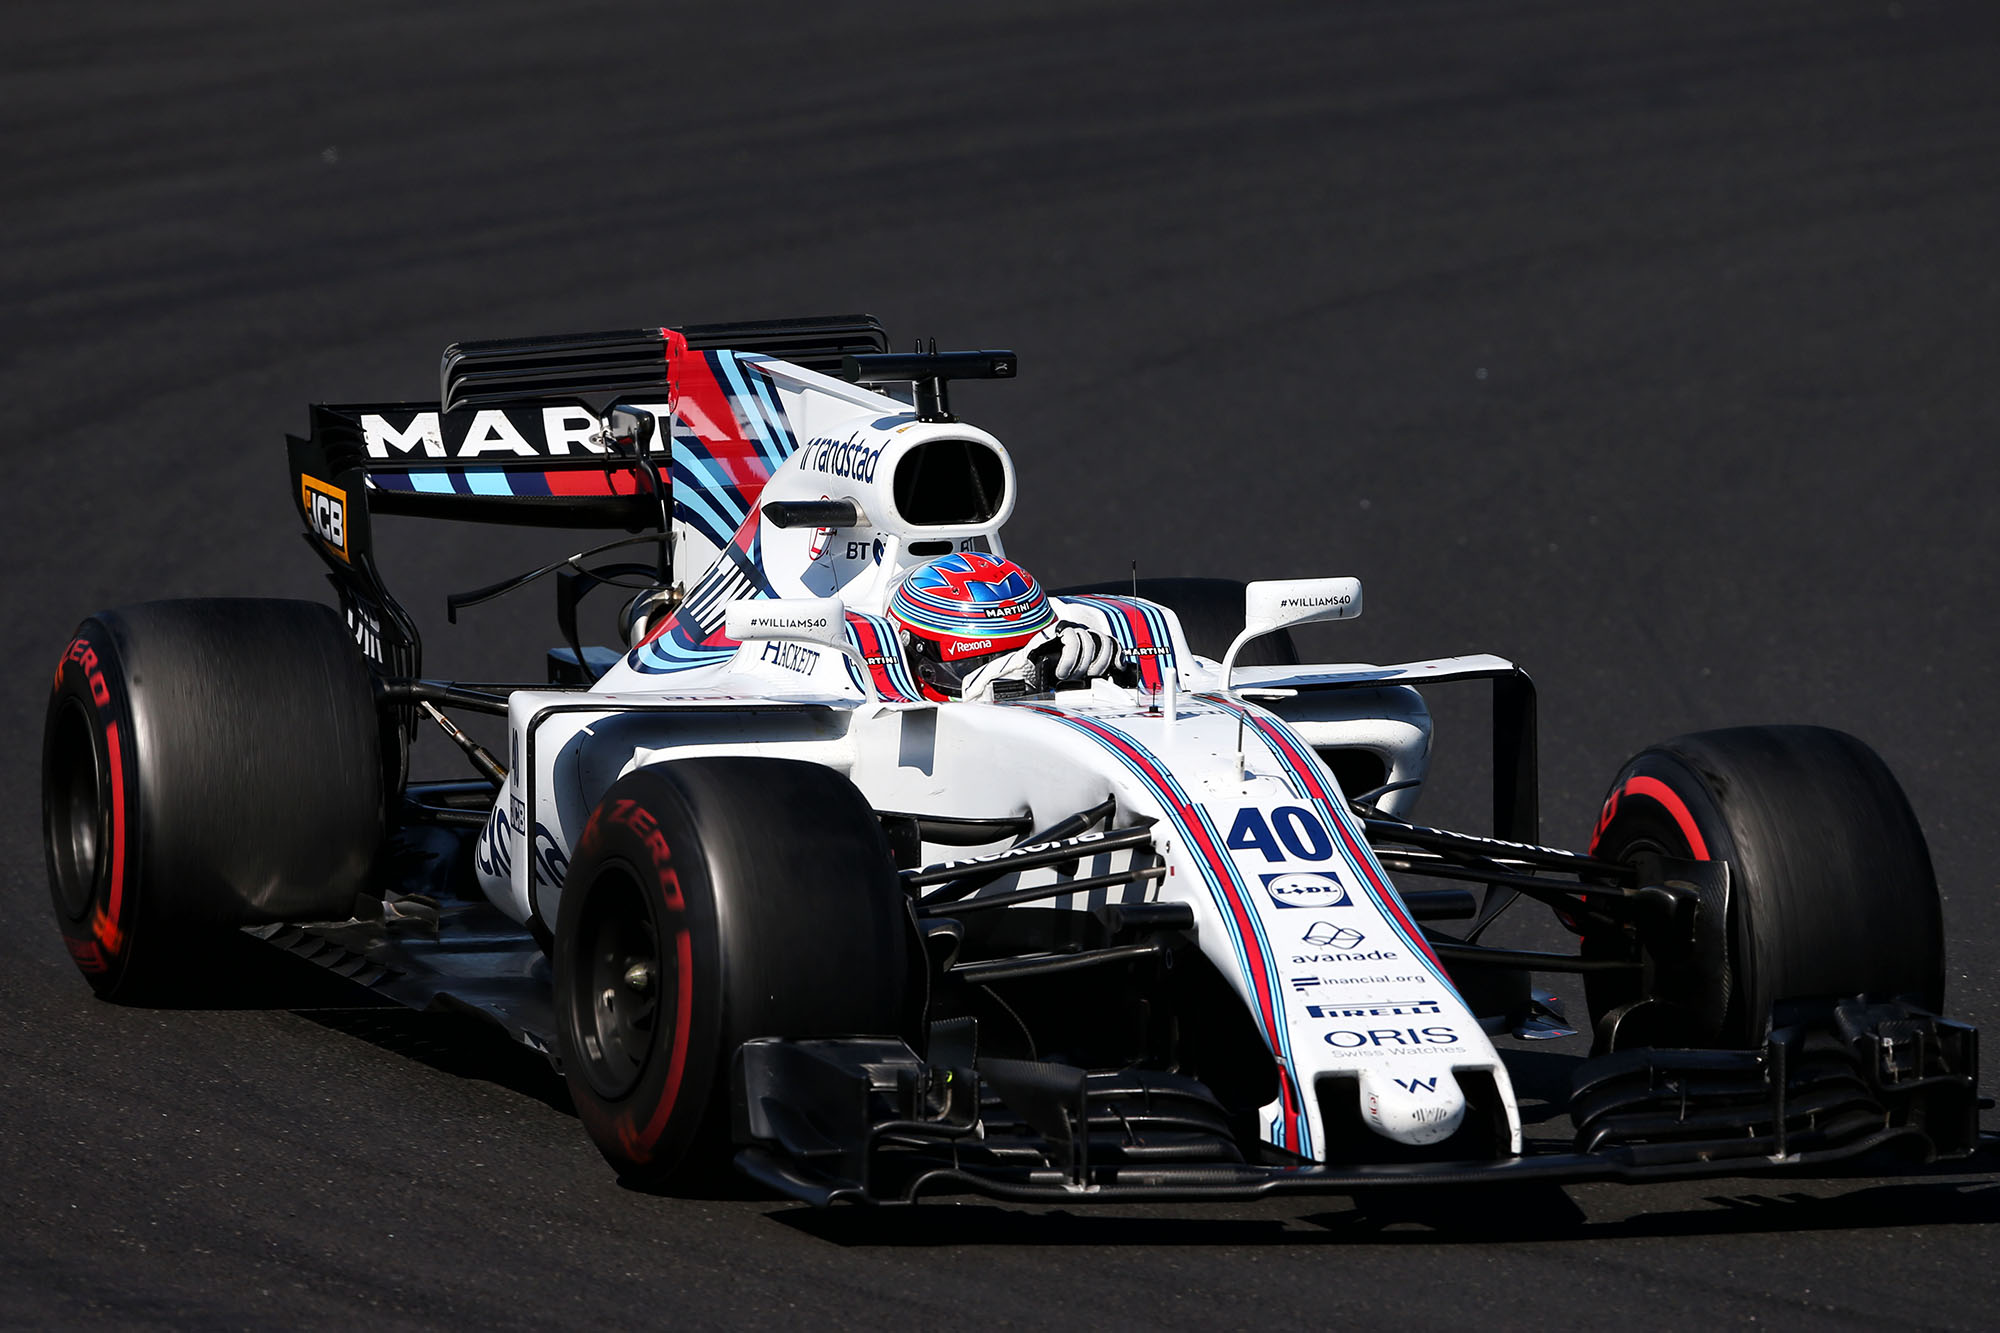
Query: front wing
[[866, 1120]]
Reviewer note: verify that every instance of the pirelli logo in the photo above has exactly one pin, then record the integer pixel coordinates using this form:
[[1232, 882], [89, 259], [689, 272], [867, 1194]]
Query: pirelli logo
[[326, 513]]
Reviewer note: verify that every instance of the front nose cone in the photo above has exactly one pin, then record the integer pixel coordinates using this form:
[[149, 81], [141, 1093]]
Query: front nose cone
[[1413, 1106]]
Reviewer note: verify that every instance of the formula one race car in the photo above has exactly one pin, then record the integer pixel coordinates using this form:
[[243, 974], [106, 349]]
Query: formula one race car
[[768, 888]]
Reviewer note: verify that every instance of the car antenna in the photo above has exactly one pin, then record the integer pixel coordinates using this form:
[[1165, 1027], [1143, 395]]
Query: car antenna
[[1135, 578]]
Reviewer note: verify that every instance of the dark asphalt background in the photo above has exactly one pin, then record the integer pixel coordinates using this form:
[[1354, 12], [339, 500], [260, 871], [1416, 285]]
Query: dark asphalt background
[[1651, 346]]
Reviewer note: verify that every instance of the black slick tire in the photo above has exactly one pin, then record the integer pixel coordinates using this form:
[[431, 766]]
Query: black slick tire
[[206, 764], [1831, 891], [713, 900]]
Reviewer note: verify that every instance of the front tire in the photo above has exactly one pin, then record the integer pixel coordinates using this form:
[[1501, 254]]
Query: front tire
[[205, 765], [713, 900], [1831, 891]]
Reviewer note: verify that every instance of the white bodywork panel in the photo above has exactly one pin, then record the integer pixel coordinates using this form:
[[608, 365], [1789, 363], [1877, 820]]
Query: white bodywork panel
[[1290, 904]]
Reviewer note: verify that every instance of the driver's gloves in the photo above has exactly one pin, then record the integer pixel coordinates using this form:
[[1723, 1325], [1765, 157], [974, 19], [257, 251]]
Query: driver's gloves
[[1084, 653]]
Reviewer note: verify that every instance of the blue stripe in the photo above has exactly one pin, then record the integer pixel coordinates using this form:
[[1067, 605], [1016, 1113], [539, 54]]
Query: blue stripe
[[788, 443], [690, 455], [668, 653], [1112, 609], [692, 500], [1259, 722], [855, 620], [1281, 1038], [747, 408], [432, 483], [487, 481]]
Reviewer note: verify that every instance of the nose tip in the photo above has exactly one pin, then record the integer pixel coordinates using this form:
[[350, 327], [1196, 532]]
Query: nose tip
[[1412, 1105]]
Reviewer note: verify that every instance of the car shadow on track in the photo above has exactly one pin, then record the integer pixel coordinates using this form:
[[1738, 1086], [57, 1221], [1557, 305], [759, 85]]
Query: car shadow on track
[[454, 1044], [240, 973], [1510, 1215]]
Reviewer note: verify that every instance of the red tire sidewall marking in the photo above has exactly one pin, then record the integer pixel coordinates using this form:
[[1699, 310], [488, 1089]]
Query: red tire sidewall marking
[[107, 930], [1666, 798], [640, 1141]]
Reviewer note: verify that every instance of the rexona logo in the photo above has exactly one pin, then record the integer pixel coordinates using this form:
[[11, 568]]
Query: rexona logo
[[1081, 841], [1328, 935], [1299, 889], [1350, 1039], [326, 512]]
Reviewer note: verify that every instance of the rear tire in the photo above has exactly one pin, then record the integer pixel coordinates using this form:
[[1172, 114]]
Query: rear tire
[[1831, 891], [205, 765], [1210, 612], [714, 900]]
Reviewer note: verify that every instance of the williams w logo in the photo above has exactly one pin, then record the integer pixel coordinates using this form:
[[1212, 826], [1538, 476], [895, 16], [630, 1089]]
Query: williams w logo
[[1412, 1084]]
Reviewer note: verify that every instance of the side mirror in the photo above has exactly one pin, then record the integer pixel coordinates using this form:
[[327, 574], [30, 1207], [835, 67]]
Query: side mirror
[[1274, 604], [820, 620], [629, 429]]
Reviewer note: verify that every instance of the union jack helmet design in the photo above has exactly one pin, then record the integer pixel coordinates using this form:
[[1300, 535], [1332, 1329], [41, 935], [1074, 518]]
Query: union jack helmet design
[[971, 605]]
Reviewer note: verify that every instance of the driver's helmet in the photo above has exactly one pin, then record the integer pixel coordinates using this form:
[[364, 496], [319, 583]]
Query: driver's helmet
[[959, 612]]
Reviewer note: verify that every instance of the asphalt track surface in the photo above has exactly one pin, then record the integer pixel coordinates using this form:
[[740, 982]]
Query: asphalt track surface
[[1655, 351]]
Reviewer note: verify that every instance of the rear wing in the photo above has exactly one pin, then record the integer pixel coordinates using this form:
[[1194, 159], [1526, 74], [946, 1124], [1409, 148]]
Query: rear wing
[[577, 365], [517, 435]]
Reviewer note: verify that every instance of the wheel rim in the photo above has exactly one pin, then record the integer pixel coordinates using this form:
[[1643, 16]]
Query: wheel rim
[[617, 982], [76, 812]]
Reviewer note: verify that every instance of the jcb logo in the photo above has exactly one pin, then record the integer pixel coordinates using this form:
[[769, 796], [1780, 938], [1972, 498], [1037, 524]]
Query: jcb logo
[[326, 512]]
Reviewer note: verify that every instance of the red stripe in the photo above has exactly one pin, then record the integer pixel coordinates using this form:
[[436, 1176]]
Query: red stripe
[[1317, 790], [567, 482], [1225, 874], [1142, 635], [870, 644], [709, 411], [1670, 800]]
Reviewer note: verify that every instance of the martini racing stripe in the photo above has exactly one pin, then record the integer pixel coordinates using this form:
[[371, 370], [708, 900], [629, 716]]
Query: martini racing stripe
[[692, 636], [750, 396], [711, 598], [1301, 770], [728, 438], [1141, 632], [530, 483], [1252, 950], [875, 638]]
